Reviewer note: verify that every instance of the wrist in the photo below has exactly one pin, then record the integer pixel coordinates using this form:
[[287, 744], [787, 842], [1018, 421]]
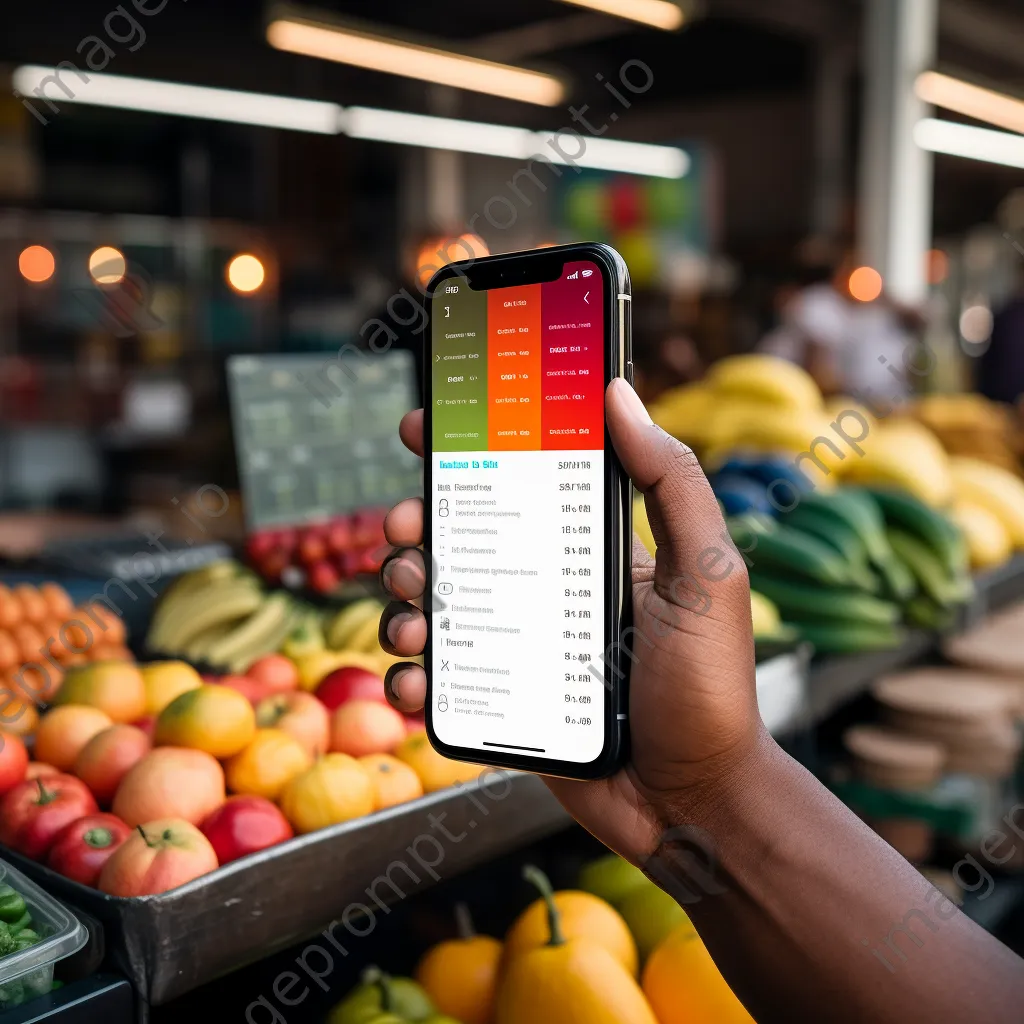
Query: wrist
[[694, 824]]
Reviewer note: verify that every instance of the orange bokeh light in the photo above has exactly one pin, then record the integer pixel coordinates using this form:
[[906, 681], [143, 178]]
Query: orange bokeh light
[[865, 284], [245, 273], [438, 252], [937, 266], [36, 264]]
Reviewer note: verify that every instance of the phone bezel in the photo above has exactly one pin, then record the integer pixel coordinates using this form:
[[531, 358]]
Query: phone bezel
[[509, 270]]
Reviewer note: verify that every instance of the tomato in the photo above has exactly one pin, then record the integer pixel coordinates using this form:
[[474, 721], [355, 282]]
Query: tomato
[[13, 761], [83, 847], [243, 825], [36, 810]]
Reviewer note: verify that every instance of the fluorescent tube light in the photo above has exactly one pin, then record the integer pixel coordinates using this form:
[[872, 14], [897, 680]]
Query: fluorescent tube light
[[395, 126], [64, 85], [971, 100], [515, 143], [972, 143], [656, 13], [412, 60]]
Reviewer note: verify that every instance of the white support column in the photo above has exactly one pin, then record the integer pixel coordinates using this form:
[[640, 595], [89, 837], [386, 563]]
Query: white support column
[[895, 208]]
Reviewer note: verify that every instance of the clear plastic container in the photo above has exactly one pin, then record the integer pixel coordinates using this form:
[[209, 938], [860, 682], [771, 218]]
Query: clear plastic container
[[29, 972]]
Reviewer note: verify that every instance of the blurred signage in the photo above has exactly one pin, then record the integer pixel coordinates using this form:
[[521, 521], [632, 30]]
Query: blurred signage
[[317, 435], [657, 224]]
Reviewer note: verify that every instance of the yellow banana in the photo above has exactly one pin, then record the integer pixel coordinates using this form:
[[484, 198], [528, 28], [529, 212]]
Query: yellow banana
[[993, 488], [988, 541], [767, 379]]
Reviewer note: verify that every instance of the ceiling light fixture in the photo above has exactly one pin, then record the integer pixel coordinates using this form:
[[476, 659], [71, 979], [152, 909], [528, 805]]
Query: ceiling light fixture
[[313, 38], [656, 13], [969, 142], [971, 100], [565, 147], [156, 97], [515, 143]]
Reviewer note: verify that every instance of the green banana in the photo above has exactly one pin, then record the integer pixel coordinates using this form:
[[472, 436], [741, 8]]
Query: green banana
[[912, 516], [933, 575], [270, 642], [802, 602], [842, 638], [790, 551], [923, 612], [833, 530]]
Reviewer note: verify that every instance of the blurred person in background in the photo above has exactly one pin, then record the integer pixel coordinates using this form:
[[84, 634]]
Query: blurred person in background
[[665, 354], [1001, 367], [849, 346]]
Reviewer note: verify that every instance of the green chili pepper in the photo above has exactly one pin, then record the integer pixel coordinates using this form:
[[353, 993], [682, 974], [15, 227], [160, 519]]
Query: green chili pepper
[[23, 922], [12, 906]]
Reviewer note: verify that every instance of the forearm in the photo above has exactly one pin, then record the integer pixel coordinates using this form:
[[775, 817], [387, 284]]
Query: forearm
[[810, 916]]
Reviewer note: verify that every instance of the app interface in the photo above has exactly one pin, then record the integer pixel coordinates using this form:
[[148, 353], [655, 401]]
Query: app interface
[[518, 515]]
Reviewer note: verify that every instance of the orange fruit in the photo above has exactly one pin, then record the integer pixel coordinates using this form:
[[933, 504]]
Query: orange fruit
[[57, 600], [112, 652], [435, 771], [77, 636], [10, 609], [18, 716], [28, 681], [682, 983], [9, 650], [335, 789], [267, 764], [33, 605], [165, 680], [394, 782], [106, 626], [65, 730], [461, 977], [213, 718], [30, 640], [115, 687]]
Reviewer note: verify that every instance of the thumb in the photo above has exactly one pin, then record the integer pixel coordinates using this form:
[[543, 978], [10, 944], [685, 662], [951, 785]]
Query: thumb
[[688, 528]]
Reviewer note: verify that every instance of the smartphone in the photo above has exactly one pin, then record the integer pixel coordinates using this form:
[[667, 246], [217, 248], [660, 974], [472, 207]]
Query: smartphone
[[527, 519]]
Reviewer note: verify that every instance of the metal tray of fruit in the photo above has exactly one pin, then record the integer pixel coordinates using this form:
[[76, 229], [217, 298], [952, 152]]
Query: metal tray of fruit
[[174, 942]]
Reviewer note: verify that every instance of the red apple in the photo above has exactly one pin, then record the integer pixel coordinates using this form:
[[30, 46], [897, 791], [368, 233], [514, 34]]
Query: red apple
[[244, 825], [371, 558], [272, 564], [252, 689], [312, 549], [339, 536], [259, 545], [348, 563], [323, 578], [147, 723], [415, 722], [350, 683]]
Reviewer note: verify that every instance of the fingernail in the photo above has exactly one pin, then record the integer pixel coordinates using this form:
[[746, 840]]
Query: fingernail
[[393, 684], [634, 408], [395, 625], [385, 573]]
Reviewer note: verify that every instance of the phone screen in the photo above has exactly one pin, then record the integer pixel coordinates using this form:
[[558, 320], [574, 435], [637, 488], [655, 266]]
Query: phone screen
[[517, 515]]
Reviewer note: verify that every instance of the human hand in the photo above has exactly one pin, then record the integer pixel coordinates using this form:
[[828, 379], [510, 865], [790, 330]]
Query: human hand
[[693, 716]]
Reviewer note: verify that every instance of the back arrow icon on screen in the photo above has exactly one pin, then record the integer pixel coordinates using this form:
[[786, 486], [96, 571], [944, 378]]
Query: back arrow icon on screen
[[586, 298], [437, 359]]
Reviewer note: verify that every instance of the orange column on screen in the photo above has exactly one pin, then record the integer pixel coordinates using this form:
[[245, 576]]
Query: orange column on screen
[[513, 369]]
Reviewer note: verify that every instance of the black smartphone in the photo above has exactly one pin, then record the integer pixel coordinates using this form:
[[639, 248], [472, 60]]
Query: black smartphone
[[527, 518]]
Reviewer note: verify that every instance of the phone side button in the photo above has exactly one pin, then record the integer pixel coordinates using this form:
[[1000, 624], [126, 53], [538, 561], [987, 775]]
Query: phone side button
[[629, 372], [621, 718]]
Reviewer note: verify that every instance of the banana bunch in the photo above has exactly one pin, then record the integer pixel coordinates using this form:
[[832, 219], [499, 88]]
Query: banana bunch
[[354, 628], [971, 425], [997, 490], [929, 543], [221, 615], [901, 453], [749, 401]]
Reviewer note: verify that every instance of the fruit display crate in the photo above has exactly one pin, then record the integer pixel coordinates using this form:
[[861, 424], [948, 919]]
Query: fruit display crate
[[171, 943]]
